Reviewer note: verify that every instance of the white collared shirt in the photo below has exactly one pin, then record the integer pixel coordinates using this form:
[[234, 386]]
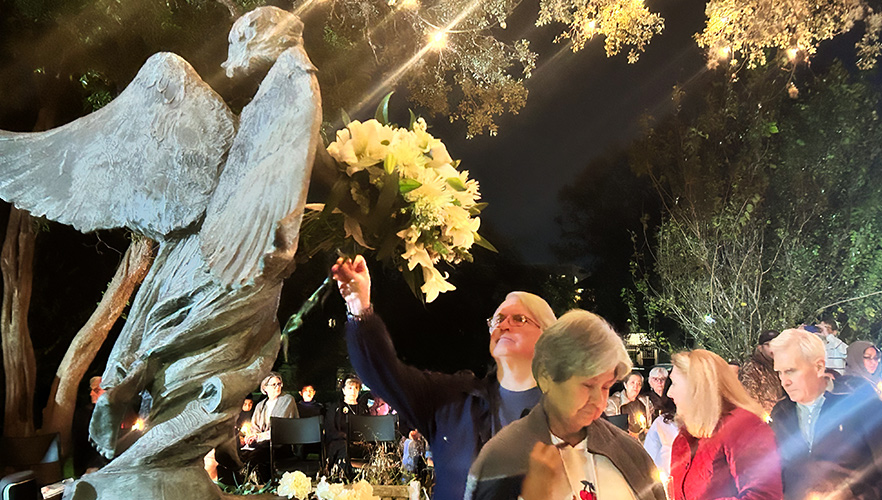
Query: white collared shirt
[[581, 465]]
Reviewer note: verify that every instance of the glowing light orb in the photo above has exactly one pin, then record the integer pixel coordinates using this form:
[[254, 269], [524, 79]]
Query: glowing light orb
[[438, 40]]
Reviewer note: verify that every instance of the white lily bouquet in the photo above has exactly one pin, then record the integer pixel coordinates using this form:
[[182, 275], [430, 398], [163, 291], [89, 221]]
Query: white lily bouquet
[[399, 194]]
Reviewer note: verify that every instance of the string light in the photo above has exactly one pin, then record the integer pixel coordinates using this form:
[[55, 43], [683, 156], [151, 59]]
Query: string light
[[438, 40]]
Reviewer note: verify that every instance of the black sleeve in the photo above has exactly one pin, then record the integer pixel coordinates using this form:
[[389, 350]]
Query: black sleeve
[[415, 394]]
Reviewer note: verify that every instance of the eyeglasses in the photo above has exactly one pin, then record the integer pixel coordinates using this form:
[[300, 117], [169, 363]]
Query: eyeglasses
[[274, 384], [658, 379], [874, 358], [514, 319]]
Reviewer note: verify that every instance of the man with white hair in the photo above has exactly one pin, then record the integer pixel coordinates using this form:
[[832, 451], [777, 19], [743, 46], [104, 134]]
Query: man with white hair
[[829, 443], [457, 413]]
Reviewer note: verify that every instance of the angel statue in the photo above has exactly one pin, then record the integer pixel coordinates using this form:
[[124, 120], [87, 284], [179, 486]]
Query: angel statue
[[224, 197]]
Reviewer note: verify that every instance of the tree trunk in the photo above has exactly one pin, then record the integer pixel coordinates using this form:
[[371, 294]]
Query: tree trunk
[[19, 364], [59, 411]]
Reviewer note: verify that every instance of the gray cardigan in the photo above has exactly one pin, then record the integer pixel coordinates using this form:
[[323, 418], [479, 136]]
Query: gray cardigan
[[500, 468], [285, 406]]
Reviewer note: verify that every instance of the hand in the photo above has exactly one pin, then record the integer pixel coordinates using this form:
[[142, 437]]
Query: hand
[[545, 470], [250, 439], [354, 283]]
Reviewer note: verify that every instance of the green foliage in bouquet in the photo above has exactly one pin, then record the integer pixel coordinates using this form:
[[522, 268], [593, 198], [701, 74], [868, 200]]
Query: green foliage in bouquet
[[399, 197]]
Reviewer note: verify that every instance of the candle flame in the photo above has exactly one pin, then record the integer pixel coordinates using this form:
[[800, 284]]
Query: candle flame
[[138, 425]]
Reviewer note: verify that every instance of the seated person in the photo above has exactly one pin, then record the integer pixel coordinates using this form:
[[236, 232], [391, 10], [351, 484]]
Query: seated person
[[245, 417], [256, 450], [86, 458], [337, 424], [380, 407], [309, 407]]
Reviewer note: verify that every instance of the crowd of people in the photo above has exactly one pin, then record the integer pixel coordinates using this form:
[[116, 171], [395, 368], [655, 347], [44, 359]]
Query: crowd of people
[[800, 419], [539, 425]]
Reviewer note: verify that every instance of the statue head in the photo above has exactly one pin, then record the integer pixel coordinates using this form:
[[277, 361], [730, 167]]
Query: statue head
[[259, 37]]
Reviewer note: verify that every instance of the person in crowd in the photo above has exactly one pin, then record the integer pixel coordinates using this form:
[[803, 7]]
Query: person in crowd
[[456, 413], [245, 415], [631, 402], [861, 370], [563, 447], [85, 457], [380, 407], [308, 406], [413, 453], [631, 392], [645, 408], [337, 423], [256, 451], [829, 443], [835, 349], [758, 373], [724, 448], [661, 434], [658, 378]]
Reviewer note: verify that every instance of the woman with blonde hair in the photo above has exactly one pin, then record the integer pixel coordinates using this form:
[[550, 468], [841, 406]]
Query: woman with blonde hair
[[724, 449]]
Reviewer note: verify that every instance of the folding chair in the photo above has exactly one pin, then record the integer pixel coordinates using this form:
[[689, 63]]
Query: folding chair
[[369, 429], [40, 454], [296, 431], [20, 486]]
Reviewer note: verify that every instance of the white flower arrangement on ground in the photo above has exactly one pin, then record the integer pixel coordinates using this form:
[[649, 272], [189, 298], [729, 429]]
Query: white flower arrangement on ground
[[294, 485], [400, 193], [362, 490]]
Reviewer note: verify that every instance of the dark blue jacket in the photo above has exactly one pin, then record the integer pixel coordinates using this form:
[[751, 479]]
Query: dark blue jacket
[[847, 449], [453, 412]]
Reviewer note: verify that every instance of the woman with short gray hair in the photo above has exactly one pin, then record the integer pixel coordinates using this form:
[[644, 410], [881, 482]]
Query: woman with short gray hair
[[562, 449]]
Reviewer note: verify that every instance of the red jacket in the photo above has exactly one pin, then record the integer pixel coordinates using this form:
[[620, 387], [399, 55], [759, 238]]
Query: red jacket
[[740, 460]]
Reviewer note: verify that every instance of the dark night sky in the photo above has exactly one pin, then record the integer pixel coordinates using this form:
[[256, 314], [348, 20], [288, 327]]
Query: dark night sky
[[580, 105]]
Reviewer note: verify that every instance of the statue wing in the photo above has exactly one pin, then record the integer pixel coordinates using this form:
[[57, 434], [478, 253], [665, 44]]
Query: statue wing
[[255, 213], [148, 161]]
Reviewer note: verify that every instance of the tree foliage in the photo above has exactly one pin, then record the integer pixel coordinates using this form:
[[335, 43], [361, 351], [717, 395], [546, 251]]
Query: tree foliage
[[771, 208]]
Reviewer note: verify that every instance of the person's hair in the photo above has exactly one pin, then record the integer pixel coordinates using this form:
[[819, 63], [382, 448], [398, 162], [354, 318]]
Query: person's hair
[[353, 377], [95, 382], [579, 343], [830, 321], [535, 305], [666, 407], [658, 371], [713, 388], [809, 346], [266, 380], [633, 374]]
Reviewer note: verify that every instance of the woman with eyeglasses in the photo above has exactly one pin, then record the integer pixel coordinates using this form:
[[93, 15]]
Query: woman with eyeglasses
[[276, 404], [861, 369], [456, 413]]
